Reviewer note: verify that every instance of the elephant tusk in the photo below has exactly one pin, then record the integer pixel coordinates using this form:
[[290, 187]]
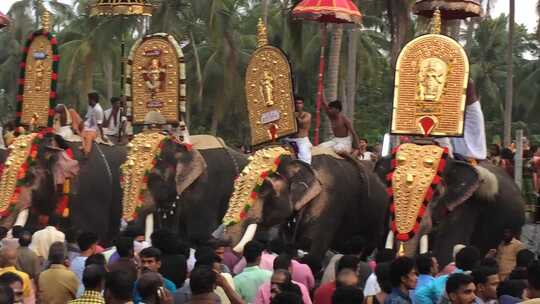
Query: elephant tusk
[[390, 240], [123, 225], [22, 218], [424, 244], [218, 233], [149, 226], [247, 237]]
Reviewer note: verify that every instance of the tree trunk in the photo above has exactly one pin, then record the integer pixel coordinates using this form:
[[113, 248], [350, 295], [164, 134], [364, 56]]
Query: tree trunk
[[399, 14], [509, 78], [108, 75], [264, 4], [87, 82], [332, 74], [197, 66], [351, 74]]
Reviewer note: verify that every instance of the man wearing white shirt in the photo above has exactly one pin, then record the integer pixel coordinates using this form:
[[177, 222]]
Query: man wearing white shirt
[[93, 122], [44, 238], [114, 120], [472, 146]]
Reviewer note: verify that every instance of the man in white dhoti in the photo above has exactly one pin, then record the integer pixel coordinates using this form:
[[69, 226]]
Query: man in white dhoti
[[345, 137], [300, 141]]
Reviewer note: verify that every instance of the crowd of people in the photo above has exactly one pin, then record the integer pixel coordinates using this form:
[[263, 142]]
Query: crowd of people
[[51, 267]]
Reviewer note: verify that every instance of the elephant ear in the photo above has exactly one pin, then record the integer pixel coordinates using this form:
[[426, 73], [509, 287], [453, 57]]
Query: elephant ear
[[461, 180], [383, 167], [188, 172], [304, 185]]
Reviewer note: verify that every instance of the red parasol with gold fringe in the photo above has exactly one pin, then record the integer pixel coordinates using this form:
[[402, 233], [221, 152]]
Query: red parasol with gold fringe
[[325, 11], [4, 20]]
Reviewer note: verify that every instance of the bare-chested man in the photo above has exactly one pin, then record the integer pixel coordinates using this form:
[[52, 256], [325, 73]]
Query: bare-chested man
[[345, 138], [301, 139]]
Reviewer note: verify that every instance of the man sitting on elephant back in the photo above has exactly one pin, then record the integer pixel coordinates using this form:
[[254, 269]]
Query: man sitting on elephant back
[[345, 137], [300, 141], [93, 123]]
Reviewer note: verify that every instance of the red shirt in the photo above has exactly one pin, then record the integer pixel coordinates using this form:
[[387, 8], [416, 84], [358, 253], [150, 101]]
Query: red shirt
[[323, 294]]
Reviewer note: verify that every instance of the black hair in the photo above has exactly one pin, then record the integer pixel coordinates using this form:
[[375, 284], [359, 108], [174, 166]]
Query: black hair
[[252, 251], [86, 240], [347, 261], [364, 139], [298, 97], [119, 284], [287, 298], [124, 246], [25, 238], [348, 295], [9, 278], [148, 285], [93, 277], [524, 257], [382, 271], [202, 280], [16, 231], [93, 96], [151, 252], [205, 256], [3, 232], [72, 234], [467, 258], [513, 288], [385, 255], [489, 262], [506, 153], [286, 273], [400, 268], [282, 261], [96, 259], [6, 294], [481, 274], [533, 274], [336, 104], [424, 263], [456, 280], [57, 253], [313, 262], [114, 100]]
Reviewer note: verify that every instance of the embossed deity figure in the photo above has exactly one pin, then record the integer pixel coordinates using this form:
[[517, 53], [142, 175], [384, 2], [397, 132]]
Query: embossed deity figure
[[154, 75], [40, 70], [267, 87], [431, 79]]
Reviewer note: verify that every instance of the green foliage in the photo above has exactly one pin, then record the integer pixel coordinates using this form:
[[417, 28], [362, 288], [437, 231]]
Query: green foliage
[[219, 37]]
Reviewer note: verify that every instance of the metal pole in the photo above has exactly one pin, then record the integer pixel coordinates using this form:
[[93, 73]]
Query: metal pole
[[509, 78], [518, 159]]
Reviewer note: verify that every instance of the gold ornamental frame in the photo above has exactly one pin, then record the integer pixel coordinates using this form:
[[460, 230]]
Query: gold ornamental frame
[[432, 74], [156, 78], [269, 92]]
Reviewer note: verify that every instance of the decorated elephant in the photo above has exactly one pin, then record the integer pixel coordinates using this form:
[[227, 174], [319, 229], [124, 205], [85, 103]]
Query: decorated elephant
[[321, 206], [184, 187], [438, 202], [44, 175]]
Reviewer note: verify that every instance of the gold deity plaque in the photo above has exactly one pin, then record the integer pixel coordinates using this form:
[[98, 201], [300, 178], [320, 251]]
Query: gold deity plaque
[[432, 73], [157, 78], [269, 93], [37, 80]]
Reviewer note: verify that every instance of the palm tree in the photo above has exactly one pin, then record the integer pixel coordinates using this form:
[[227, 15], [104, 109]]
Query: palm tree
[[510, 77]]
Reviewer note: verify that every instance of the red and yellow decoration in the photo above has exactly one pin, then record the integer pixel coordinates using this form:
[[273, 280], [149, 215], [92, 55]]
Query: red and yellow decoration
[[247, 186], [416, 172], [144, 153], [22, 156], [36, 97]]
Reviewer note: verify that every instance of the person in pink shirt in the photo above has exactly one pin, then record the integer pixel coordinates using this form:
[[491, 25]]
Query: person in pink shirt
[[282, 275]]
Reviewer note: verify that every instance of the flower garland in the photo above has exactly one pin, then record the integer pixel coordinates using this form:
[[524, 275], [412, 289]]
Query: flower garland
[[394, 187], [22, 157], [248, 185]]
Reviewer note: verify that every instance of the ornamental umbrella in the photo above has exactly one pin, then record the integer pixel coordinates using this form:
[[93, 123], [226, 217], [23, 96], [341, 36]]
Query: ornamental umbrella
[[450, 9], [325, 11], [4, 20]]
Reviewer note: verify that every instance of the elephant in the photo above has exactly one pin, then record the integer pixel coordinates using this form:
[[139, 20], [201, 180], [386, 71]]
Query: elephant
[[189, 188], [319, 207], [472, 205], [95, 194]]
